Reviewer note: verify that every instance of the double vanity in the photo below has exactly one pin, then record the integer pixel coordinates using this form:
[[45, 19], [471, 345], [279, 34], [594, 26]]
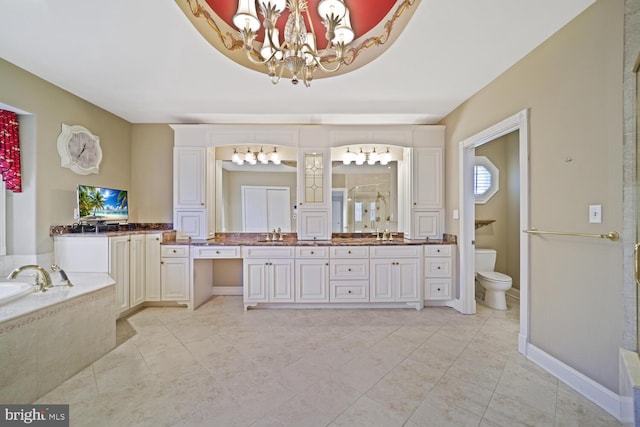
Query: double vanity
[[357, 272]]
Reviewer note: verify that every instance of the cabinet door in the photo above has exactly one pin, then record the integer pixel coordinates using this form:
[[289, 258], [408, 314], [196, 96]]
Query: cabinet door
[[408, 280], [255, 280], [313, 225], [381, 280], [137, 282], [281, 280], [312, 282], [427, 225], [119, 269], [189, 177], [191, 224], [428, 180], [175, 279], [152, 267]]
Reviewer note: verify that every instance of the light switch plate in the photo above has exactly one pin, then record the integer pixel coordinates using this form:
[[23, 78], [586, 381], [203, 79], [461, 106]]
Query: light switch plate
[[595, 214]]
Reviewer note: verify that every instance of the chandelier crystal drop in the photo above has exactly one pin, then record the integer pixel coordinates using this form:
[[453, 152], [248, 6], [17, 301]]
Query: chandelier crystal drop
[[297, 51]]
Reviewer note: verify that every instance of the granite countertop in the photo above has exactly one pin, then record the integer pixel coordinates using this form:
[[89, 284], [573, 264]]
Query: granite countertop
[[258, 239]]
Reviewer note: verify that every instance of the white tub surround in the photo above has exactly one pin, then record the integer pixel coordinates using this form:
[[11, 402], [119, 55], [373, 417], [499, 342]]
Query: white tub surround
[[45, 338]]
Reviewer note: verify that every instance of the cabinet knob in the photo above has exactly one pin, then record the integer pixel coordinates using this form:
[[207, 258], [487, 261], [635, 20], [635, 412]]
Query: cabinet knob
[[349, 292], [414, 203], [217, 252], [174, 251], [438, 289], [438, 250], [349, 269], [327, 264], [438, 268], [157, 238], [349, 252], [311, 252]]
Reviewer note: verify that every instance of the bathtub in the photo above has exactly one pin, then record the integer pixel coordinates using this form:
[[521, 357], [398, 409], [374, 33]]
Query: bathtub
[[47, 337], [10, 291]]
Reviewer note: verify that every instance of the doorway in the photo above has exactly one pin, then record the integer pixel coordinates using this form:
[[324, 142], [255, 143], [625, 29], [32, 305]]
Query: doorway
[[467, 153]]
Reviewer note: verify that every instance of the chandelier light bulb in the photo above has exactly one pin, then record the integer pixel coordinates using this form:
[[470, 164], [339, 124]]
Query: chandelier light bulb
[[361, 158], [348, 157], [385, 157]]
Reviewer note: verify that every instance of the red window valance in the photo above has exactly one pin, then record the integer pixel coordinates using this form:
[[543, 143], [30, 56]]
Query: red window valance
[[10, 151]]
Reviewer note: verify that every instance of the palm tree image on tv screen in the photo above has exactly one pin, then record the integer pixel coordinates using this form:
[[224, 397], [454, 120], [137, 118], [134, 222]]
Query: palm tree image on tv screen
[[98, 204]]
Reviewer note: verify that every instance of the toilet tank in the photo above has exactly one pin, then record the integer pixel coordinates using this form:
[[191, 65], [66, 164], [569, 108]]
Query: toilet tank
[[485, 259]]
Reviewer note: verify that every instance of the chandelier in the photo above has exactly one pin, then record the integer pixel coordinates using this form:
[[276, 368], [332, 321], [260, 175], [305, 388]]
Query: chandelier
[[297, 51], [368, 157], [253, 158]]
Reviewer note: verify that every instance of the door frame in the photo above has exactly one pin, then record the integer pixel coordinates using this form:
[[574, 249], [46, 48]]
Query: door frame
[[466, 150]]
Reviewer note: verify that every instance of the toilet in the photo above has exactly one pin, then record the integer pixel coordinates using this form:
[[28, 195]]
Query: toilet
[[494, 283]]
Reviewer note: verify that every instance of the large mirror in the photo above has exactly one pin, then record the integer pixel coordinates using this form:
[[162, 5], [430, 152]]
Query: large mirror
[[260, 197], [365, 188]]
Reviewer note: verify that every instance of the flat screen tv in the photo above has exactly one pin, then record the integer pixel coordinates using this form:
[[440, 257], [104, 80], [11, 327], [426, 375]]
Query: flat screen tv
[[102, 205]]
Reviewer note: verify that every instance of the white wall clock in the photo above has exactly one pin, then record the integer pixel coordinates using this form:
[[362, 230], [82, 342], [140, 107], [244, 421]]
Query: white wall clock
[[79, 150]]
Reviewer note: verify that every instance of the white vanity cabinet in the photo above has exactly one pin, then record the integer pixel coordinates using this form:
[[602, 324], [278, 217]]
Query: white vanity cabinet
[[193, 195], [349, 275], [174, 268], [127, 267], [152, 266], [314, 194], [396, 273], [439, 272], [268, 274], [312, 274]]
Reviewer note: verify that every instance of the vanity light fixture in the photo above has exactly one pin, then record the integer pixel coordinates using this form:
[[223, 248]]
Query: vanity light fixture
[[369, 157], [253, 158], [297, 51]]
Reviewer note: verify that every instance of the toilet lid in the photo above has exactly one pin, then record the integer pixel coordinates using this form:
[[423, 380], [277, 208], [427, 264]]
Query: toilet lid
[[494, 276]]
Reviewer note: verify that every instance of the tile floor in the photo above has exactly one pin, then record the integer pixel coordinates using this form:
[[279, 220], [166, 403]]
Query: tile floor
[[221, 366]]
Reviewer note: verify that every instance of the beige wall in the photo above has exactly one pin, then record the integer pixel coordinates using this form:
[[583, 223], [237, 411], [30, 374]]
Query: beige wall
[[572, 86], [48, 196], [152, 176]]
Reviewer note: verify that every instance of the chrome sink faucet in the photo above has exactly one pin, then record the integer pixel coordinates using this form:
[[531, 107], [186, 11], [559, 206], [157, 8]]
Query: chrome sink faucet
[[43, 279]]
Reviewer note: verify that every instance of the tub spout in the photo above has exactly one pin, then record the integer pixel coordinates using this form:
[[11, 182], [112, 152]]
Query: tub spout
[[43, 280]]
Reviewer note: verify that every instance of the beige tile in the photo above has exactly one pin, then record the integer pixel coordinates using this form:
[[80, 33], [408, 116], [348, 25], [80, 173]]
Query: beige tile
[[433, 413], [222, 366], [508, 412], [368, 413]]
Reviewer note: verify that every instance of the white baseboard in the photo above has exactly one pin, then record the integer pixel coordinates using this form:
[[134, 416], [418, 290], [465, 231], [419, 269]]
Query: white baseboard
[[598, 394]]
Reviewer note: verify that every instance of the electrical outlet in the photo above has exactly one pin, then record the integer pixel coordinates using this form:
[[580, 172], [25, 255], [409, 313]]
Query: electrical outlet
[[595, 214]]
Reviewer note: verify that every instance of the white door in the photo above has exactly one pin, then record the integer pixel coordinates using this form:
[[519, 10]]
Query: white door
[[278, 215], [265, 209]]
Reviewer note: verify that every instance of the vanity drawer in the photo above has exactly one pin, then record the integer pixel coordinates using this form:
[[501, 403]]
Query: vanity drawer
[[437, 250], [350, 291], [174, 251], [408, 251], [312, 252], [350, 252], [216, 252], [437, 288], [349, 269], [268, 252], [437, 267]]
